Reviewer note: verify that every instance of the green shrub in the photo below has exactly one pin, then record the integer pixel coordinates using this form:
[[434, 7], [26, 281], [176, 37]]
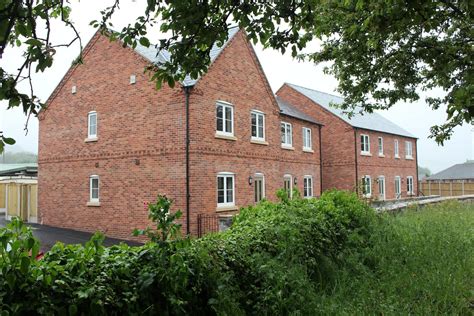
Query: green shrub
[[330, 255]]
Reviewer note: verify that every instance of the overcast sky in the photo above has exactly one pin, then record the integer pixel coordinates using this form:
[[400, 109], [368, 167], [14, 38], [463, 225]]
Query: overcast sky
[[416, 117]]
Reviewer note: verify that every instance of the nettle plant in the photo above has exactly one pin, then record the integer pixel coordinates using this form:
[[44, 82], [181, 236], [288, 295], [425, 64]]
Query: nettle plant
[[166, 226]]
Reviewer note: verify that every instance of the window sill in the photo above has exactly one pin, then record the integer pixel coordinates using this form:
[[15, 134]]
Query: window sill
[[227, 208], [93, 204], [397, 157], [409, 158], [258, 142], [365, 153], [308, 150], [90, 140], [287, 147], [224, 136], [381, 155]]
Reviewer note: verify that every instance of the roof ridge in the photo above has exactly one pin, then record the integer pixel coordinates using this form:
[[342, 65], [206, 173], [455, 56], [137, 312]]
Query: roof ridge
[[333, 95]]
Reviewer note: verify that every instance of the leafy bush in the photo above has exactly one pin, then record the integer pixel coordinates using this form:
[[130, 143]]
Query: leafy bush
[[295, 257]]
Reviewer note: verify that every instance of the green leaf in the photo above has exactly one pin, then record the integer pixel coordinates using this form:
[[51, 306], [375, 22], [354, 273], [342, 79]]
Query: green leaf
[[25, 264], [144, 41], [9, 141]]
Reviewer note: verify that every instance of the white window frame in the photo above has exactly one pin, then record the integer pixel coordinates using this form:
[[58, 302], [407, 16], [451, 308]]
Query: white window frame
[[410, 185], [287, 136], [364, 144], [308, 179], [257, 115], [225, 175], [398, 187], [92, 199], [89, 115], [288, 177], [225, 105], [305, 139], [258, 177], [408, 150], [366, 193], [396, 149], [381, 185], [380, 145]]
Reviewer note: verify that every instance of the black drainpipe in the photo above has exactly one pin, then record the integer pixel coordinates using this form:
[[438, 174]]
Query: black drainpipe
[[356, 166], [417, 183], [187, 91], [320, 163]]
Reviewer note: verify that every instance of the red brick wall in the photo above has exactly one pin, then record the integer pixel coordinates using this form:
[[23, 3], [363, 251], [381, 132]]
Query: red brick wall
[[136, 123], [387, 165], [337, 141], [339, 155], [236, 77]]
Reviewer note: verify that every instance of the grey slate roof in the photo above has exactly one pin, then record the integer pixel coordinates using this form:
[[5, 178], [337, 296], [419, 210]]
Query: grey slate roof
[[155, 56], [10, 169], [290, 110], [462, 171], [370, 121]]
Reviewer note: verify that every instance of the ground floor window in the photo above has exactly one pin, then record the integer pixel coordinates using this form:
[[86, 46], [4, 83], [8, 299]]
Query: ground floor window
[[259, 188], [94, 188], [287, 185], [367, 186], [225, 189], [308, 186], [398, 187], [410, 185], [381, 181]]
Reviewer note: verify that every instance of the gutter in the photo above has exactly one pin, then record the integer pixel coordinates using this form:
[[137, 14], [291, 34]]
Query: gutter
[[320, 163], [356, 163], [417, 181], [187, 92]]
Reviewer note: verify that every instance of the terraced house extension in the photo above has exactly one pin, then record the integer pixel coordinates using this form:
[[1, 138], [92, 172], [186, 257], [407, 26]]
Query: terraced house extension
[[109, 141], [367, 153]]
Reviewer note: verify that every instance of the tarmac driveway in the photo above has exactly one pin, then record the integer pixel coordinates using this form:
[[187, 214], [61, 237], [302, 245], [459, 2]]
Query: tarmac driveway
[[49, 235]]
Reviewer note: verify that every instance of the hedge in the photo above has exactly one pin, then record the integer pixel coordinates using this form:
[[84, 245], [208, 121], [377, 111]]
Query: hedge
[[273, 260]]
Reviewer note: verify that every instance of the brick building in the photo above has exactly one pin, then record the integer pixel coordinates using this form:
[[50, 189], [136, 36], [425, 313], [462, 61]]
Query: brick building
[[366, 152], [109, 141]]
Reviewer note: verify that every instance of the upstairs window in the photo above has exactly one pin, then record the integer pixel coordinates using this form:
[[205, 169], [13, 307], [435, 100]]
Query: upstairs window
[[367, 186], [94, 188], [258, 125], [408, 150], [308, 186], [396, 149], [380, 146], [364, 144], [92, 125], [286, 135], [225, 189], [224, 118], [307, 145]]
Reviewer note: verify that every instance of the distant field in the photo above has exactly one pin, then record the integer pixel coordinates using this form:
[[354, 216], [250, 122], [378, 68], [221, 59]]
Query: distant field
[[419, 262]]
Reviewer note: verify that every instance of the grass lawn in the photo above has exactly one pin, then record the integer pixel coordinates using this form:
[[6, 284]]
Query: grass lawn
[[419, 262]]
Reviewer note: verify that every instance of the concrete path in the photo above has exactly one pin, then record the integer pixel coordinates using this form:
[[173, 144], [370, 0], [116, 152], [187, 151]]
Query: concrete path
[[436, 199], [49, 235]]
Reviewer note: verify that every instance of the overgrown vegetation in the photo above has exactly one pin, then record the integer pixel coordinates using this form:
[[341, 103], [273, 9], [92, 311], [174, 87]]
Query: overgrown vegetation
[[332, 255]]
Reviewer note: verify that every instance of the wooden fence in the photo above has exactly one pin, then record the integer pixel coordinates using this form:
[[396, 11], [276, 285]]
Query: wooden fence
[[447, 188]]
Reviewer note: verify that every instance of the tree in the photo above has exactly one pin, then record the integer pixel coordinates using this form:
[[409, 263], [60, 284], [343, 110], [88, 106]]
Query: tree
[[382, 51], [423, 172]]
